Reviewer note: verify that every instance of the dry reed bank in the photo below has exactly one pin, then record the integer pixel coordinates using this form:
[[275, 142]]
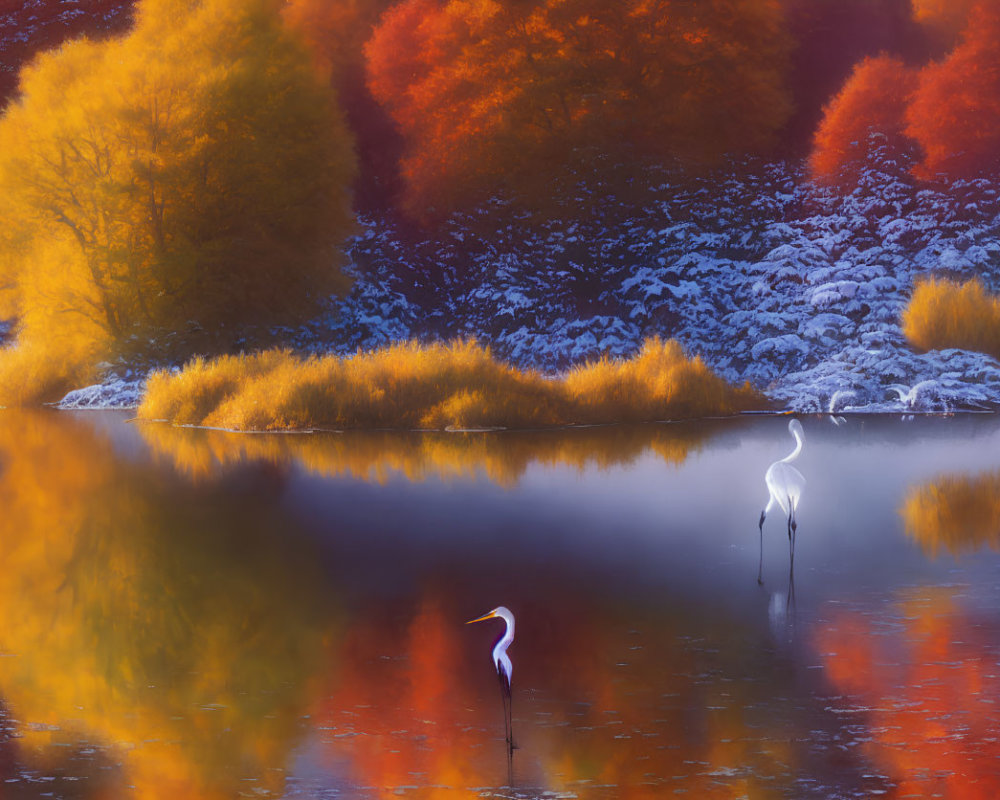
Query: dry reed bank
[[943, 314], [436, 386]]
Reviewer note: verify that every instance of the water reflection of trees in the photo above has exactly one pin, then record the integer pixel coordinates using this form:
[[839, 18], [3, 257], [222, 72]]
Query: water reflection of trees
[[168, 624], [956, 513], [503, 457], [921, 692], [603, 697]]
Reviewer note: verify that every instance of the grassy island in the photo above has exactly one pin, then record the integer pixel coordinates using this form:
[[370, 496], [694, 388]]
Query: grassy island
[[456, 385]]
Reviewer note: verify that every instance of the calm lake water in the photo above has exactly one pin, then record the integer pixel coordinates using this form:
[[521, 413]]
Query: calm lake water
[[197, 614]]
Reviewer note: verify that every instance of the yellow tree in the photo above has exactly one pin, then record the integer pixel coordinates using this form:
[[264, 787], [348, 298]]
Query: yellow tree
[[186, 179]]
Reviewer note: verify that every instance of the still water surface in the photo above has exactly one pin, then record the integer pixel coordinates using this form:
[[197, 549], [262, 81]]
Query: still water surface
[[197, 614]]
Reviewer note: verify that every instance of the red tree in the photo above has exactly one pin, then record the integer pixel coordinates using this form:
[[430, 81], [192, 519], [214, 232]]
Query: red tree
[[833, 36], [955, 113], [944, 19], [872, 102], [489, 93]]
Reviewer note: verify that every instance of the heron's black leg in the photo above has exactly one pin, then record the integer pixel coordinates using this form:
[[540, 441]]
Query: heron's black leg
[[508, 704], [760, 564], [795, 529], [791, 587], [503, 700], [510, 720], [507, 725]]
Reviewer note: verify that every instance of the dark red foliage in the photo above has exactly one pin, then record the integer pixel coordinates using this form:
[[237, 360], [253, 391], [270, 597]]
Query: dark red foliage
[[872, 103], [335, 32], [832, 36], [955, 113]]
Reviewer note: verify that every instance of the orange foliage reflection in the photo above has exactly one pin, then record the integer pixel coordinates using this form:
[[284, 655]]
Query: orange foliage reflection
[[503, 457], [596, 704], [956, 513], [926, 691], [172, 628]]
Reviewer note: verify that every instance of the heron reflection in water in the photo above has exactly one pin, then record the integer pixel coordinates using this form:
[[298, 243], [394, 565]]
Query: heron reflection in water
[[785, 484], [504, 668]]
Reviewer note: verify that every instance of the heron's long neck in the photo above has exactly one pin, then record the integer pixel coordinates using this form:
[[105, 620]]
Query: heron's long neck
[[798, 448], [504, 641]]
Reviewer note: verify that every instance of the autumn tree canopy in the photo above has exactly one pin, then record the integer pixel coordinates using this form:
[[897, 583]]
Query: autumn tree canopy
[[947, 110], [27, 28], [488, 92], [187, 178], [871, 104], [334, 30], [833, 36], [955, 113]]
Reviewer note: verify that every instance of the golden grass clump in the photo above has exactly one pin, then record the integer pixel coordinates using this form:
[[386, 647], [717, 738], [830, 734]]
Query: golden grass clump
[[186, 397], [436, 386], [659, 383], [944, 314], [32, 372]]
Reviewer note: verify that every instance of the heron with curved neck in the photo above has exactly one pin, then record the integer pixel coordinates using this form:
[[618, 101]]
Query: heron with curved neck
[[785, 484], [504, 667]]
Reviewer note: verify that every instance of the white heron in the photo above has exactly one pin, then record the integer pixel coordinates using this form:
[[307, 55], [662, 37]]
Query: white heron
[[785, 484], [835, 404], [504, 667], [920, 395]]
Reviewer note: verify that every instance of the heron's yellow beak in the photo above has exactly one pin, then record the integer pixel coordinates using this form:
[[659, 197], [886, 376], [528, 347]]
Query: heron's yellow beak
[[480, 619]]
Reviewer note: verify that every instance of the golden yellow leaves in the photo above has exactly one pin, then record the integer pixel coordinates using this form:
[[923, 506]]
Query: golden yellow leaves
[[189, 176], [942, 313], [435, 386]]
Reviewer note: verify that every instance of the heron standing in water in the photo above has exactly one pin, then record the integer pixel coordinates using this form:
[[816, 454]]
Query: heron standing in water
[[504, 667], [785, 484]]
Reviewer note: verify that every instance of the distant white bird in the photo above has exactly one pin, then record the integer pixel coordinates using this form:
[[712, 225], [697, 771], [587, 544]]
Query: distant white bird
[[911, 396], [504, 667], [785, 484], [835, 398]]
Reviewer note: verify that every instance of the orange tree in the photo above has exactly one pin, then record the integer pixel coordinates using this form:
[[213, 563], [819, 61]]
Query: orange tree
[[832, 36], [944, 19], [488, 93], [872, 102], [955, 113]]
